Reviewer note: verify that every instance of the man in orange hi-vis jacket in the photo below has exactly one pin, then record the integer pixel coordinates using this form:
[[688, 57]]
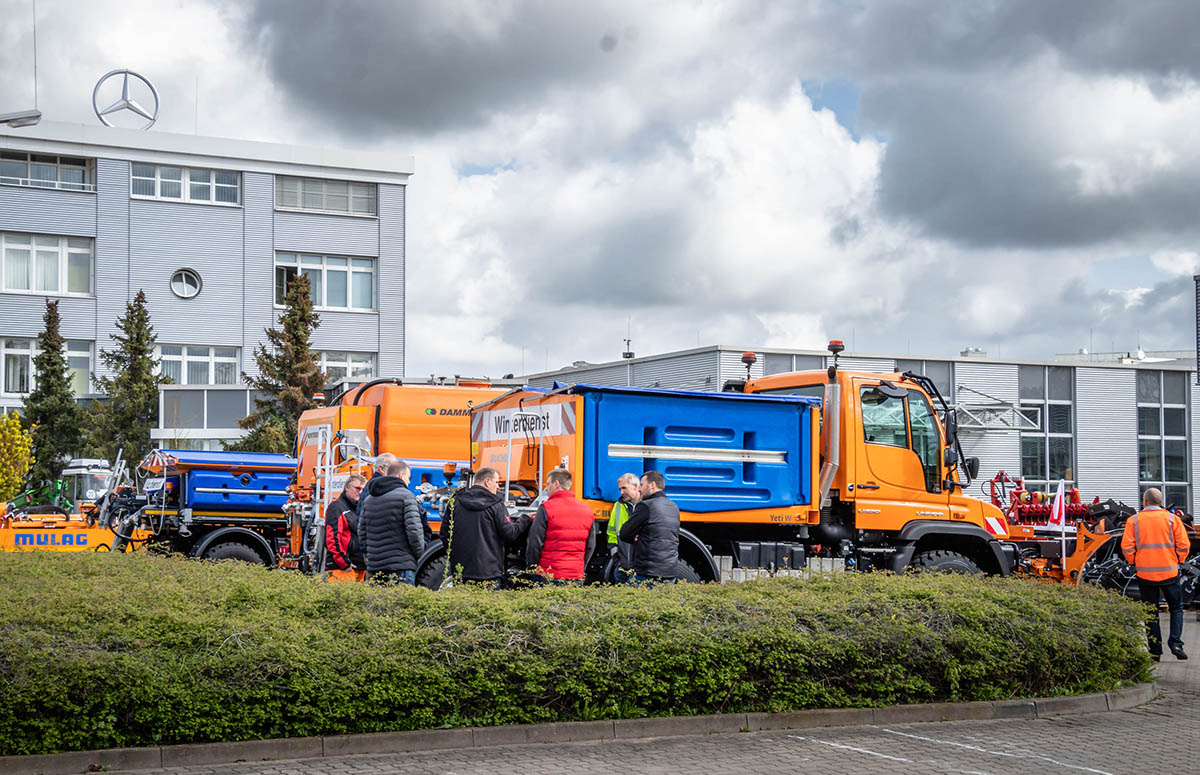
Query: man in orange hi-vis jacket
[[1155, 542]]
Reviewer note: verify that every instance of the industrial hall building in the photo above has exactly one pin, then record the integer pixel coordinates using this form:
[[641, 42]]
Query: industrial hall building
[[1111, 424], [212, 230]]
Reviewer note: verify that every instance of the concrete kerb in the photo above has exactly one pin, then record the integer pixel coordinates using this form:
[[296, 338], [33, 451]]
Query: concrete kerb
[[119, 759]]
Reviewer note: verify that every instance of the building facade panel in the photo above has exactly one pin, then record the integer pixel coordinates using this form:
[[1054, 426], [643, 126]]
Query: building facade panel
[[341, 235], [689, 371], [350, 331], [1194, 441], [23, 316], [997, 450], [111, 269], [258, 264], [48, 211], [1106, 433], [391, 279], [731, 366], [613, 374], [165, 237], [872, 365]]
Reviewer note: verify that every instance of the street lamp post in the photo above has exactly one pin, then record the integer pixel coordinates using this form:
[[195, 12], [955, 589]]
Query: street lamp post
[[21, 118]]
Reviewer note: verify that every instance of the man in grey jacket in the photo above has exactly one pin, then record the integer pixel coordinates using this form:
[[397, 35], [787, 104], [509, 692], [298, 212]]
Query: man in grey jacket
[[391, 529], [653, 529]]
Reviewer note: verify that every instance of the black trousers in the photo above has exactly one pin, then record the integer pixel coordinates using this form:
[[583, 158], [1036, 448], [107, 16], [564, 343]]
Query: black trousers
[[1173, 594]]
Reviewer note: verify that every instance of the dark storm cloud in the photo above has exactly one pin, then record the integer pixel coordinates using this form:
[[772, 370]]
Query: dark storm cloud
[[429, 65]]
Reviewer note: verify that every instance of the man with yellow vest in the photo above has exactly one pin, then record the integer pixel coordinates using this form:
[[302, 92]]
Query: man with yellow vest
[[1155, 542]]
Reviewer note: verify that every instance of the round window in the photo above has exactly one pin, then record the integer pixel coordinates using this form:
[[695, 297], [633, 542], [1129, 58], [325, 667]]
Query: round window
[[185, 283]]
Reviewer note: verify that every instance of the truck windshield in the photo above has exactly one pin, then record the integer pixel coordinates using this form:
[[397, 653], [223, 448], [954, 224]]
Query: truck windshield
[[883, 418]]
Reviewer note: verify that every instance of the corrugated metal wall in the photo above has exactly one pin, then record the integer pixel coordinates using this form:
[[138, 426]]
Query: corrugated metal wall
[[342, 235], [112, 251], [258, 261], [691, 371], [391, 274], [43, 211], [731, 366], [1194, 430], [1106, 448], [617, 374], [872, 365], [355, 331], [167, 236], [22, 316], [996, 450]]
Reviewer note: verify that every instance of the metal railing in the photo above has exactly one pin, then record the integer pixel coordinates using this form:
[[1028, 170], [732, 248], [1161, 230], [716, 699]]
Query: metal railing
[[59, 185]]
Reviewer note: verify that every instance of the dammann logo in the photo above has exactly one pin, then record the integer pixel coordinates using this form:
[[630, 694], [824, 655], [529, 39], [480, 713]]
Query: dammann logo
[[447, 412]]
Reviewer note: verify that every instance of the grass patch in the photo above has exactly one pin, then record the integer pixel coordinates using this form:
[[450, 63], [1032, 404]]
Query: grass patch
[[102, 651]]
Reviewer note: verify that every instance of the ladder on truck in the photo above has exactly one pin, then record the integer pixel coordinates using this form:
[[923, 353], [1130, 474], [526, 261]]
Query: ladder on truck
[[324, 475]]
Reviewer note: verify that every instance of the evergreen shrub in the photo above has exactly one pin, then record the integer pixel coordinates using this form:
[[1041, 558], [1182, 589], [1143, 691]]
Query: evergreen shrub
[[101, 651]]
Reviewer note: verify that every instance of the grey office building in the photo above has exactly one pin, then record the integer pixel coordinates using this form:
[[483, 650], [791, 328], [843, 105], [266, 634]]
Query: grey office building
[[1112, 424], [211, 229]]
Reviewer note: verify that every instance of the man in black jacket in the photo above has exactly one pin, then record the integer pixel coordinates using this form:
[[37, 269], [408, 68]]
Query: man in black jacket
[[653, 529], [390, 527], [476, 527]]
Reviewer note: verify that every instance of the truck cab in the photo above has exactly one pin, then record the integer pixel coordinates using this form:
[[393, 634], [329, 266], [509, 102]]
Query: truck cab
[[893, 476]]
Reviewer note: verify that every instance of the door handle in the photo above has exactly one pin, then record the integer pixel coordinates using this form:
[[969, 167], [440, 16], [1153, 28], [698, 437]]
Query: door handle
[[868, 486]]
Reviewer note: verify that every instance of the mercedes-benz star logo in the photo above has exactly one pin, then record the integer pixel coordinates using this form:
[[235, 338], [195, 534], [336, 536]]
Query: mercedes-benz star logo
[[125, 103]]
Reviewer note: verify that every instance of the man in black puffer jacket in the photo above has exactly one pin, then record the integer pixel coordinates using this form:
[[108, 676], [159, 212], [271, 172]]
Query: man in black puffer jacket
[[481, 528], [391, 529], [653, 529]]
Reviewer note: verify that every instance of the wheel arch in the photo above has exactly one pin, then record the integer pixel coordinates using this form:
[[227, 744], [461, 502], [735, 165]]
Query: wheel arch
[[965, 538], [694, 552], [240, 535]]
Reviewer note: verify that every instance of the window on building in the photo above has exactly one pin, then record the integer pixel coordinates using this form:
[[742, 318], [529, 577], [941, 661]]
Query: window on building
[[185, 184], [199, 364], [326, 196], [941, 372], [1162, 434], [67, 173], [43, 264], [339, 365], [337, 282], [1047, 400], [20, 376]]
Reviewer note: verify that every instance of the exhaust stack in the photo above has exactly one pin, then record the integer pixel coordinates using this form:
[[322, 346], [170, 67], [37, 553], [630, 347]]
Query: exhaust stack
[[832, 430]]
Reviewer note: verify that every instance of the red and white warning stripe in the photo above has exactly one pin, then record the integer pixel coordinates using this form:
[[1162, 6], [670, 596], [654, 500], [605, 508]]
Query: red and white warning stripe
[[997, 526]]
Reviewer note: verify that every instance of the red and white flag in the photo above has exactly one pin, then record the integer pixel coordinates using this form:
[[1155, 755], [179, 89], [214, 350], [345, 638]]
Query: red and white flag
[[1058, 512]]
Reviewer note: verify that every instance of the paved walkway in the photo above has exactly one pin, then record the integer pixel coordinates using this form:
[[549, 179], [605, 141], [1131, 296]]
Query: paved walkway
[[1162, 736]]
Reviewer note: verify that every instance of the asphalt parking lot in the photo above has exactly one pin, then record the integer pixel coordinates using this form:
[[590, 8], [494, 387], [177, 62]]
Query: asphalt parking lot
[[1161, 736]]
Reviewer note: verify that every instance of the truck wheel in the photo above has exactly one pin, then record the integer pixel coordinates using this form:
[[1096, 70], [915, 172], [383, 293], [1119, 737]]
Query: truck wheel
[[430, 576], [945, 562], [233, 551], [685, 572]]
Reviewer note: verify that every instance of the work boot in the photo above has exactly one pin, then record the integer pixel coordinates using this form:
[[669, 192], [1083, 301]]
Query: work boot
[[1179, 652]]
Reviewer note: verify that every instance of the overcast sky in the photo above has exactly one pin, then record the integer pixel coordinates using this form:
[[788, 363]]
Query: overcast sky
[[910, 176]]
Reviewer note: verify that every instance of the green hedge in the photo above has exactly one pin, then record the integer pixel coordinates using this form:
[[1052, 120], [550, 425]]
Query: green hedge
[[100, 651]]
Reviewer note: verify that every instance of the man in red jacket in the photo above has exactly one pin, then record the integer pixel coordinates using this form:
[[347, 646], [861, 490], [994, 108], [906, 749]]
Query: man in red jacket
[[563, 534]]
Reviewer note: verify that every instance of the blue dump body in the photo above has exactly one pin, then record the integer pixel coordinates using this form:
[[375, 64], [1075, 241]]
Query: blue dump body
[[716, 451], [231, 481]]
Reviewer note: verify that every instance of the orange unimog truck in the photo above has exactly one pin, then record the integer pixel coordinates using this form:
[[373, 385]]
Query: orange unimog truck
[[425, 423], [767, 474]]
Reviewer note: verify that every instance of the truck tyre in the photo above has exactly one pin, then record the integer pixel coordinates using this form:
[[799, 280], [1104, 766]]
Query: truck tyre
[[944, 561], [430, 576], [685, 572], [233, 551]]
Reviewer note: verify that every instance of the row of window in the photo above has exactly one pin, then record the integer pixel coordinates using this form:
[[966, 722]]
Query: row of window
[[190, 184], [37, 263], [335, 282], [183, 364], [45, 171]]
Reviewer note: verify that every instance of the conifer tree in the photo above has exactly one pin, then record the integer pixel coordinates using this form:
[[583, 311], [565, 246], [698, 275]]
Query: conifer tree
[[123, 421], [289, 376], [50, 410]]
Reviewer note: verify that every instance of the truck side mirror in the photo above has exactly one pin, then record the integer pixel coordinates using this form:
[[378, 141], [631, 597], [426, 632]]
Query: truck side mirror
[[972, 466], [951, 423], [950, 457]]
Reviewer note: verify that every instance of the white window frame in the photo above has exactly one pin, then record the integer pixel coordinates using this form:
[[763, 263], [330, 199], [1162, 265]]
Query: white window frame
[[1042, 405], [353, 266], [185, 182], [60, 163], [1162, 482], [32, 351], [347, 360], [302, 184], [65, 251], [185, 357]]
